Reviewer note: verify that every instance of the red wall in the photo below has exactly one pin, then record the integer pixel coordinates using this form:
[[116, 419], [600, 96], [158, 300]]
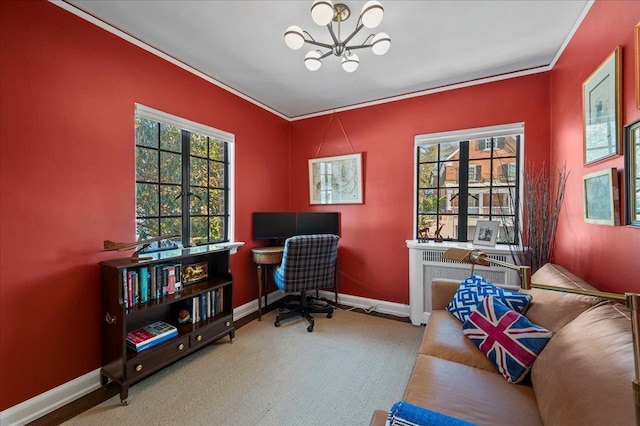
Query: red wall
[[605, 256], [67, 180], [68, 91], [373, 254]]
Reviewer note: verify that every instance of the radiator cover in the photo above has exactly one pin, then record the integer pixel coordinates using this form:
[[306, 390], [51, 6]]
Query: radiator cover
[[426, 263]]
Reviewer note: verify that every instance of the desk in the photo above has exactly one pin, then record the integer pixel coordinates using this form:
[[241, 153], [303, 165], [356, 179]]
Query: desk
[[265, 257]]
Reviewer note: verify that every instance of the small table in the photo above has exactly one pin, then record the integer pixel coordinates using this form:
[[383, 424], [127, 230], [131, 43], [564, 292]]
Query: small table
[[265, 257]]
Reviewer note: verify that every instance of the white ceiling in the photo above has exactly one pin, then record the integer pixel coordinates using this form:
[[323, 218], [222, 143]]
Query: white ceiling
[[240, 45]]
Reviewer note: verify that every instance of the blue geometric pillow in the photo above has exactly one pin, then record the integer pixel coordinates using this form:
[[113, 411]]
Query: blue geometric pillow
[[509, 340], [473, 290], [404, 414]]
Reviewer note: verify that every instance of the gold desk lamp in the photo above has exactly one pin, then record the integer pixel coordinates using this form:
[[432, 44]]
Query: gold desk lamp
[[632, 300]]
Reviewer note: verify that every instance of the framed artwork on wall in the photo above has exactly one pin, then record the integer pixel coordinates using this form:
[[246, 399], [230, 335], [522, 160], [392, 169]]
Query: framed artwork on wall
[[336, 180], [601, 197], [632, 173], [486, 233], [602, 106]]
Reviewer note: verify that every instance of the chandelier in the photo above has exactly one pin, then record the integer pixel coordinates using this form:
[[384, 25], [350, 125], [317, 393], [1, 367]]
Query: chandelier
[[324, 13]]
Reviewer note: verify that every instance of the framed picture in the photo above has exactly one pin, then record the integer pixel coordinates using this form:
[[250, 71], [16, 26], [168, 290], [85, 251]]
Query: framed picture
[[336, 180], [486, 233], [602, 106], [601, 199], [632, 173]]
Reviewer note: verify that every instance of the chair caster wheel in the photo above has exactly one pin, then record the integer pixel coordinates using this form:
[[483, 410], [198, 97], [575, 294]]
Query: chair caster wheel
[[277, 323], [310, 328], [330, 315]]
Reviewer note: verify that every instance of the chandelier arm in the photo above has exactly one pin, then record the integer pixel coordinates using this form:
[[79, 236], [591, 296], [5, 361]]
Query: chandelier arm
[[329, 53], [308, 35], [348, 39], [361, 46], [316, 43]]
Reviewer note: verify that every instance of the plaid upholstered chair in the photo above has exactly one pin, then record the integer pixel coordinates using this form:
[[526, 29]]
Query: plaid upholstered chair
[[308, 263]]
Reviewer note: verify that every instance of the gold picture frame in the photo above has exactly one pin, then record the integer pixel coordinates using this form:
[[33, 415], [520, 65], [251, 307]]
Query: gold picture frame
[[602, 110], [601, 197], [336, 180]]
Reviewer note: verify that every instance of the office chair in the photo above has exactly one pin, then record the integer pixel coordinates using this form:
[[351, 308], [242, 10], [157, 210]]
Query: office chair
[[308, 263]]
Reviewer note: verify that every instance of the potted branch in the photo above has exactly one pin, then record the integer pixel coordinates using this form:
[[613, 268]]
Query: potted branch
[[543, 197]]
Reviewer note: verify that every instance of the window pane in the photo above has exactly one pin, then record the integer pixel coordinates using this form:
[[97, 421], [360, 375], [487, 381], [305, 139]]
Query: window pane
[[426, 225], [147, 228], [199, 230], [198, 145], [146, 164], [505, 147], [480, 148], [199, 171], [146, 200], [170, 201], [479, 171], [449, 151], [170, 138], [170, 226], [216, 174], [427, 175], [170, 168], [451, 201], [216, 202], [428, 153], [427, 201], [146, 132], [216, 149], [216, 229], [199, 201]]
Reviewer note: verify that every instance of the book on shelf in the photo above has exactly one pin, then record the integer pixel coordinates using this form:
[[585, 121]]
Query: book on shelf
[[150, 335], [144, 284]]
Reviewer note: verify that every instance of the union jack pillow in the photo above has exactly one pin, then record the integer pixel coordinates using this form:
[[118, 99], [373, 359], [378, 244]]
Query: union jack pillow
[[474, 288], [508, 339]]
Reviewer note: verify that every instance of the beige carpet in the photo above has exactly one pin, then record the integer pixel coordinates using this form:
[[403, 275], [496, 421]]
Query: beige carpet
[[339, 374]]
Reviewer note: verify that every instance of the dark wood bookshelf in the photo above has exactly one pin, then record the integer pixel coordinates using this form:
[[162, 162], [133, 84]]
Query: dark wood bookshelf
[[121, 314]]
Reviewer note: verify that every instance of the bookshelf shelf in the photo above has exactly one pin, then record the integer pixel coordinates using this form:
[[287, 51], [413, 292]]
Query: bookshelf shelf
[[136, 294]]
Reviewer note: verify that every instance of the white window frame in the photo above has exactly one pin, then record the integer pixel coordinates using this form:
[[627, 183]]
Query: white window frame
[[467, 134], [144, 111]]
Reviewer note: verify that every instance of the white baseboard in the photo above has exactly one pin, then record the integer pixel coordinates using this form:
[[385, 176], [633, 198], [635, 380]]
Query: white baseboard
[[397, 309], [45, 403], [38, 406]]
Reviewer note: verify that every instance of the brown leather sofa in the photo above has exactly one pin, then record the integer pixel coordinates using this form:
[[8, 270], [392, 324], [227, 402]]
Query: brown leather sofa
[[582, 377]]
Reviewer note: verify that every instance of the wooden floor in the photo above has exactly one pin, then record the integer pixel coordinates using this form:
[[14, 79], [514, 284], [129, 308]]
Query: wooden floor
[[98, 396]]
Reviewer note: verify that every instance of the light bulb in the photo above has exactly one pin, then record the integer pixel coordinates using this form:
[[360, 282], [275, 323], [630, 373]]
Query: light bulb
[[350, 62], [294, 37], [381, 43], [312, 60], [372, 14], [322, 12]]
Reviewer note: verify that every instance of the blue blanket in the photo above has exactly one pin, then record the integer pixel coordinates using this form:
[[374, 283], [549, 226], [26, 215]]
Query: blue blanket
[[404, 414]]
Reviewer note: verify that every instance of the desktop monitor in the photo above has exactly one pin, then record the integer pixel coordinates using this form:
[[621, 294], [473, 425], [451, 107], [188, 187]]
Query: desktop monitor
[[318, 223], [273, 225]]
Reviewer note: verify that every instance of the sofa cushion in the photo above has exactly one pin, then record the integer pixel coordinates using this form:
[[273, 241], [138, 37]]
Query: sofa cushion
[[474, 288], [508, 339], [470, 394], [584, 374], [443, 338], [552, 309]]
